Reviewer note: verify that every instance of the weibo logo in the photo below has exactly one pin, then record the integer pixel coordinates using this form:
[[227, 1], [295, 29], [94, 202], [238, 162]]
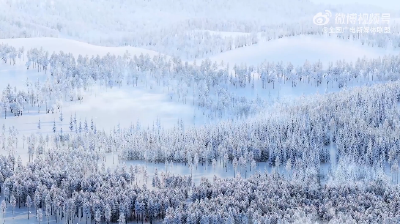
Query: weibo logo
[[321, 19]]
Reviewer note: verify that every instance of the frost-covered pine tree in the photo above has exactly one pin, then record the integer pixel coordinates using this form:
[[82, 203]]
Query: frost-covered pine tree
[[39, 126], [226, 159], [235, 165], [97, 216], [91, 124], [6, 104], [242, 164], [71, 124], [253, 165], [54, 127], [13, 202], [86, 210], [85, 126], [48, 211], [61, 116], [39, 215], [28, 203], [214, 163], [145, 176], [75, 121], [107, 213], [196, 160], [121, 219], [3, 208]]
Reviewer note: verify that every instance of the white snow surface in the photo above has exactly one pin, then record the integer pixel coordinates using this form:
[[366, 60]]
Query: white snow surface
[[74, 47], [293, 49], [299, 49]]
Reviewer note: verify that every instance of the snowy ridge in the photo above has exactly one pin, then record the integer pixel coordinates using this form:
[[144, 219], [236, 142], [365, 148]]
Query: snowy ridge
[[74, 47]]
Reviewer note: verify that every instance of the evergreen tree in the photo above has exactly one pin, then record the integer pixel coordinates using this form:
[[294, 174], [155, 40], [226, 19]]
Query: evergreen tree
[[71, 124], [28, 203], [85, 126], [91, 124], [54, 127]]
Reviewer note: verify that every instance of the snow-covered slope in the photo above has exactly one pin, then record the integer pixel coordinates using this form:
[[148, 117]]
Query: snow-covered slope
[[72, 46], [299, 49], [295, 49]]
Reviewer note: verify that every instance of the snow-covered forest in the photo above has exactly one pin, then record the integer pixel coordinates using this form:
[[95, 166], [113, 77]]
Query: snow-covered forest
[[197, 112]]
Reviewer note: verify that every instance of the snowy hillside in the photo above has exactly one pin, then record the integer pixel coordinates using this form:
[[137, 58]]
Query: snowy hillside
[[72, 46], [301, 48]]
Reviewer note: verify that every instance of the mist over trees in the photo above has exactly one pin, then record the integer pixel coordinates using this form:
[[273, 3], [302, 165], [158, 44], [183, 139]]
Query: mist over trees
[[209, 86]]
